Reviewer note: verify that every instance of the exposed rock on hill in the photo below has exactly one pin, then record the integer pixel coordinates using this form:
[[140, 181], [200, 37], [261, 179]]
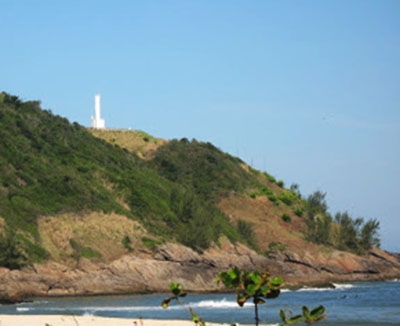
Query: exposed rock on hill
[[152, 271]]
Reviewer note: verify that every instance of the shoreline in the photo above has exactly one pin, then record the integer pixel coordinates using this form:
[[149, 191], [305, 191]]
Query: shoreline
[[320, 285], [71, 320], [132, 274]]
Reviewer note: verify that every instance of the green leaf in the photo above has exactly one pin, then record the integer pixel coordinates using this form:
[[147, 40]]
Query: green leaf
[[317, 312], [251, 289], [176, 289], [165, 303], [282, 314], [276, 281], [225, 279], [272, 294], [264, 290], [234, 273], [255, 277], [258, 301], [294, 320], [306, 313], [290, 321], [195, 318], [241, 298]]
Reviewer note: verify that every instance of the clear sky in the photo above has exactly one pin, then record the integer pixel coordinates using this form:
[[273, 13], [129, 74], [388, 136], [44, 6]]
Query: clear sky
[[308, 91]]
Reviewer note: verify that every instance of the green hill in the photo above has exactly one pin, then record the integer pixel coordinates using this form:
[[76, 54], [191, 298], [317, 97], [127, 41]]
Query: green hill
[[67, 191], [49, 166]]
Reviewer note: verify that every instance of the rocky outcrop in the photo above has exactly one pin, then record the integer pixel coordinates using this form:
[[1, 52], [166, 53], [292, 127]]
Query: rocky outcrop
[[154, 270]]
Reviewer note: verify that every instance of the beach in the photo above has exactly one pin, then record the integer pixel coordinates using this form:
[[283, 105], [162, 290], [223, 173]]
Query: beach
[[68, 320]]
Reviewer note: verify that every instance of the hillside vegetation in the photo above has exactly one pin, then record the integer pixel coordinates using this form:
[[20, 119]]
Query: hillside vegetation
[[50, 167], [57, 180]]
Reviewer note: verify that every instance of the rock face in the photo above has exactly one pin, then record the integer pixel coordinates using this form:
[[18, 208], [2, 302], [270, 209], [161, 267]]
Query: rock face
[[154, 270]]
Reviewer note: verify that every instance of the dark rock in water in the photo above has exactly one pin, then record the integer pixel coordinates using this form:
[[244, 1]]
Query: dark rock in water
[[7, 299]]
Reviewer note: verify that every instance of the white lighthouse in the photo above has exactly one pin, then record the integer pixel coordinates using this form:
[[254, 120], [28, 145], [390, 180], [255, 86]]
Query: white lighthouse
[[97, 122]]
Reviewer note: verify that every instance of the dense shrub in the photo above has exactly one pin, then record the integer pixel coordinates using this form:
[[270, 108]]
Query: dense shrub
[[201, 167], [281, 184], [299, 211], [269, 177], [127, 243], [263, 190], [12, 252], [286, 218], [288, 197]]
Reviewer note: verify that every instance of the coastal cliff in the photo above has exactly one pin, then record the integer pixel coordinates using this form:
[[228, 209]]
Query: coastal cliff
[[152, 271]]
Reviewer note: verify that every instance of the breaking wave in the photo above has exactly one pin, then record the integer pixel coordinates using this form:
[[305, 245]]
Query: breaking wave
[[214, 304], [335, 287]]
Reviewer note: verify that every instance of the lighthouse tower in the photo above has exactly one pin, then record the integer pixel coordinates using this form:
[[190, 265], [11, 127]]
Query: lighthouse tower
[[97, 122]]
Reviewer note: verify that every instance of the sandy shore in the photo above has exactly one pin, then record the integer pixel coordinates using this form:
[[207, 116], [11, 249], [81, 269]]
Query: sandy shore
[[61, 320]]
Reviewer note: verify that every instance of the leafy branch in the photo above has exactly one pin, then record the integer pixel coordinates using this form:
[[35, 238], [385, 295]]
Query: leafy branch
[[178, 293], [309, 317], [254, 285], [260, 286]]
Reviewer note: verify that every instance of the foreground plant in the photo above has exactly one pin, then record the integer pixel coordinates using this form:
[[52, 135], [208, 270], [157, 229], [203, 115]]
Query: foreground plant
[[254, 285], [309, 317], [178, 293], [259, 286]]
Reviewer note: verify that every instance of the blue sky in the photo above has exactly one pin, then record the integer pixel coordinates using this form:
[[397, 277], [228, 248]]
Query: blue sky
[[308, 91]]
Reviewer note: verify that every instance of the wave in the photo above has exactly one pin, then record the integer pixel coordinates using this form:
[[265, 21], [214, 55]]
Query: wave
[[336, 287], [213, 304], [310, 289], [342, 286], [23, 309]]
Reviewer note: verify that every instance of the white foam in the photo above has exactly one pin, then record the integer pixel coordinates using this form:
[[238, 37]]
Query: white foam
[[335, 288], [24, 309], [307, 289], [88, 314], [214, 304], [343, 286]]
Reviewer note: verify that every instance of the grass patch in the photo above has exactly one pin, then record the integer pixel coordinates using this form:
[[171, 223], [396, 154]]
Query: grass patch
[[150, 243], [277, 246], [81, 251]]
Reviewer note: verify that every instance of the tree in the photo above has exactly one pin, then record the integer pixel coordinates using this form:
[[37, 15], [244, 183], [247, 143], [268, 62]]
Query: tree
[[316, 204], [294, 187], [348, 234], [369, 234], [12, 254], [318, 220]]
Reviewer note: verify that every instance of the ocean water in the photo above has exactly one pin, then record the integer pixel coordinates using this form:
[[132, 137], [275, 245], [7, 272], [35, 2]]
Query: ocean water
[[370, 303]]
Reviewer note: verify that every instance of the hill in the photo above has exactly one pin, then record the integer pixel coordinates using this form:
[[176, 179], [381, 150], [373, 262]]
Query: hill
[[50, 167], [81, 208]]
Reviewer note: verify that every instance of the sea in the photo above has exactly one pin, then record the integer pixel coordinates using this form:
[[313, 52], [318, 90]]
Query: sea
[[366, 303]]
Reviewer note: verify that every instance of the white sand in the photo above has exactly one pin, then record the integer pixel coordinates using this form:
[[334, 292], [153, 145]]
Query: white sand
[[61, 320]]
